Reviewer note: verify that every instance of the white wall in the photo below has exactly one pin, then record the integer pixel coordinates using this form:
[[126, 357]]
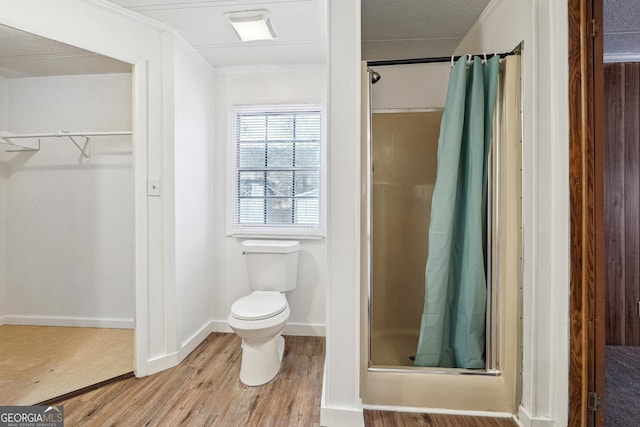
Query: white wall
[[104, 28], [341, 405], [193, 78], [70, 238], [411, 86], [4, 118], [542, 24], [264, 85]]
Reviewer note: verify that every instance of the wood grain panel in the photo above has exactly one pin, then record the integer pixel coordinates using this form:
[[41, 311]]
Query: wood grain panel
[[622, 201], [632, 202], [614, 201], [204, 390]]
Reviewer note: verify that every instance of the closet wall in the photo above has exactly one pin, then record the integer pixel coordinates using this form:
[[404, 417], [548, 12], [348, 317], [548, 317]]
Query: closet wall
[[622, 201], [70, 220], [4, 103]]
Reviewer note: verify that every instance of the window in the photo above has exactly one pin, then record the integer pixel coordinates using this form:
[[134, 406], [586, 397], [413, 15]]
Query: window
[[278, 157]]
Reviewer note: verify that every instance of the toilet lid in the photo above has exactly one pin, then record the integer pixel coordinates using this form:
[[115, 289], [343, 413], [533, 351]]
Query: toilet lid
[[259, 305]]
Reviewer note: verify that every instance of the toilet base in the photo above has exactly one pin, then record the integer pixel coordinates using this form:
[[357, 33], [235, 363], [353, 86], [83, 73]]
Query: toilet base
[[261, 360]]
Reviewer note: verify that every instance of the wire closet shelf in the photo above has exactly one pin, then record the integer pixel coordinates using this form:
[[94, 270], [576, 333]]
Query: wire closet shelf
[[10, 139]]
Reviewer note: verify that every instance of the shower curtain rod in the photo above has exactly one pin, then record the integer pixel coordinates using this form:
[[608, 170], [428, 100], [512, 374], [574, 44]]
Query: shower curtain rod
[[435, 59]]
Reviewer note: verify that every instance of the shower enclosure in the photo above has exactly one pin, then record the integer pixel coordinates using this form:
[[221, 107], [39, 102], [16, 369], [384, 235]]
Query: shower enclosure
[[404, 149], [402, 122]]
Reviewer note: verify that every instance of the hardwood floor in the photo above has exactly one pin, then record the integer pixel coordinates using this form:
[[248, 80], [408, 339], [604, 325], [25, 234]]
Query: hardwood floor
[[204, 390], [409, 419]]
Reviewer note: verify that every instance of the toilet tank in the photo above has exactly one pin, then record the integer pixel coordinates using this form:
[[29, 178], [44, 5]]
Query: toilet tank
[[272, 264]]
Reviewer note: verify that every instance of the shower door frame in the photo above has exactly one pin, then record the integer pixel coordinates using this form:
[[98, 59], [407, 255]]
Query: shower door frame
[[491, 362], [449, 389]]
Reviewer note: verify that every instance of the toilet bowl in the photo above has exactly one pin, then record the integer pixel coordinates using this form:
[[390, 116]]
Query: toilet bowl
[[259, 320], [260, 317]]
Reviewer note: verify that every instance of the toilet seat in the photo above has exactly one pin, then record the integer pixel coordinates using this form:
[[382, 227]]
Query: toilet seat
[[259, 305]]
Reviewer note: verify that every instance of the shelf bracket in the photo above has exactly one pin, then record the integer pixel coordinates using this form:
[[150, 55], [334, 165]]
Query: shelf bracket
[[14, 146]]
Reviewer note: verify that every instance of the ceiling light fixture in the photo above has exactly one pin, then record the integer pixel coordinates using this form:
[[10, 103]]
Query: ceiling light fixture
[[252, 25]]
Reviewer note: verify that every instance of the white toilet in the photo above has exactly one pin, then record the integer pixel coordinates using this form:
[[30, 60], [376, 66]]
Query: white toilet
[[259, 318]]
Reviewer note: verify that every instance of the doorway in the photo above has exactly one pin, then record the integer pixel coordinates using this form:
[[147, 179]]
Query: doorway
[[622, 233], [68, 273], [595, 255]]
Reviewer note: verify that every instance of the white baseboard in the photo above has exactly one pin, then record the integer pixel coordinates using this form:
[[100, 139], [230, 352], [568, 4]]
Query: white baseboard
[[623, 57], [338, 417], [526, 420], [81, 322], [195, 340], [296, 329], [220, 326], [304, 330], [162, 363], [341, 417], [439, 411], [171, 360]]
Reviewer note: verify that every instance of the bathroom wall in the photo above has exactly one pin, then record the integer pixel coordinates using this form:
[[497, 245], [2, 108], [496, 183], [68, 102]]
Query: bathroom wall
[[70, 234], [4, 117], [193, 78], [264, 85]]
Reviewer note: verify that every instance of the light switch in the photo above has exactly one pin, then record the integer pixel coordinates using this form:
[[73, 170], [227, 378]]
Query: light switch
[[153, 187]]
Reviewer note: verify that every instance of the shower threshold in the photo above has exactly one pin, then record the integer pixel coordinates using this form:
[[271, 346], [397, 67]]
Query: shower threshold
[[434, 370]]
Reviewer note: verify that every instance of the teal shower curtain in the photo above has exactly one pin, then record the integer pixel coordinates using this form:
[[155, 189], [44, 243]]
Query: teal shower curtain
[[452, 330]]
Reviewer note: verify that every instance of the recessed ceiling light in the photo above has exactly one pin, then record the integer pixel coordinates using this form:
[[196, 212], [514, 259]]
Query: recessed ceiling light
[[252, 25]]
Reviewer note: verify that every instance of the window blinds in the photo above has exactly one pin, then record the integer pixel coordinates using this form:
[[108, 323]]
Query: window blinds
[[278, 159]]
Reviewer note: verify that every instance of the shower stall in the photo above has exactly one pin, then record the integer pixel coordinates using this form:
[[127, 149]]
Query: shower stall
[[403, 106]]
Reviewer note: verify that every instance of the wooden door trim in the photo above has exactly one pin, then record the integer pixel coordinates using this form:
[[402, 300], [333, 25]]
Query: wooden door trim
[[598, 335], [586, 181]]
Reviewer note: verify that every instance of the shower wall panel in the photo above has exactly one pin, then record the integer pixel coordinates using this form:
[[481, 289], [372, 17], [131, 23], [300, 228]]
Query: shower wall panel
[[404, 148]]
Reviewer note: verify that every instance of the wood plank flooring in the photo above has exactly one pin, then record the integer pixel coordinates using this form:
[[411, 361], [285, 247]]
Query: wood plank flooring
[[409, 419], [204, 390]]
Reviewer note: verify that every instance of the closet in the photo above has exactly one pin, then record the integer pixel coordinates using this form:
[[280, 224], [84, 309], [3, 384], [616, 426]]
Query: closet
[[66, 201]]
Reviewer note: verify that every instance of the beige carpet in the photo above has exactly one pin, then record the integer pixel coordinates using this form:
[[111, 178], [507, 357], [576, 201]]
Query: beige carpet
[[38, 363]]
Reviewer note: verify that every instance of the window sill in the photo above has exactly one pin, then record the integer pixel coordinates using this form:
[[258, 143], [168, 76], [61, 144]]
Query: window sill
[[283, 235]]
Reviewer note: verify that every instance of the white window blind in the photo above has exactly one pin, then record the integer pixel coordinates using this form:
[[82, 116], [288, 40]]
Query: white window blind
[[278, 155]]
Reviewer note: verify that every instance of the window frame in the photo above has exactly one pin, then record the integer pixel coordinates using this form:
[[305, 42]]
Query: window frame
[[298, 231]]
